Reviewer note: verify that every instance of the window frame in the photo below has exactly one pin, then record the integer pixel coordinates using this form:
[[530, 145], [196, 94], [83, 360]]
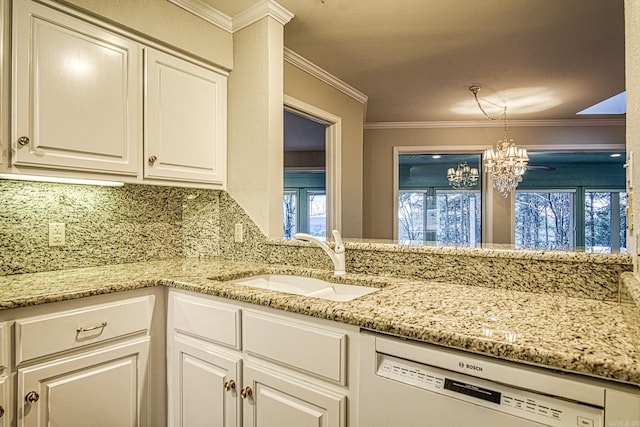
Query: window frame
[[615, 219], [579, 210], [485, 196], [573, 238], [302, 206]]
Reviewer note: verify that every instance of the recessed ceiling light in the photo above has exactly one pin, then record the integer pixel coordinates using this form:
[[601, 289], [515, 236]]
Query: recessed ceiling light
[[615, 155], [437, 156]]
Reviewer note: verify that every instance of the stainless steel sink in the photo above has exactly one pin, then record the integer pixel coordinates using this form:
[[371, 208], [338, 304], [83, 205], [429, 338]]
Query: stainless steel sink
[[306, 286]]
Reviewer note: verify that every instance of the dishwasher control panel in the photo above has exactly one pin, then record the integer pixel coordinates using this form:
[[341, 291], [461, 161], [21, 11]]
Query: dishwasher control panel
[[542, 409]]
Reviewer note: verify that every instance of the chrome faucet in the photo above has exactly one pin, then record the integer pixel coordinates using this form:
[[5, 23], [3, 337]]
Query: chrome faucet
[[336, 255]]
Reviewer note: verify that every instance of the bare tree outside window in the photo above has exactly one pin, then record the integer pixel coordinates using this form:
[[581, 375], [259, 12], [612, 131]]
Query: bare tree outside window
[[411, 211], [290, 229], [605, 221], [544, 220], [451, 218], [459, 217]]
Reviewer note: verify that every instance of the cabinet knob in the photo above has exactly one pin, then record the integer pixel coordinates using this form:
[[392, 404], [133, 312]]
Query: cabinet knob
[[230, 385], [246, 392], [24, 140], [1, 411], [152, 160], [32, 397]]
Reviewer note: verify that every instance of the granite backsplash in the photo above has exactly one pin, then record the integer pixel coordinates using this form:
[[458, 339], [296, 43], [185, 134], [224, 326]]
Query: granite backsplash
[[113, 225]]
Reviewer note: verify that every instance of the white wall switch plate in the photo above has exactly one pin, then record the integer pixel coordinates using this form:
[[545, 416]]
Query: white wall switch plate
[[56, 234]]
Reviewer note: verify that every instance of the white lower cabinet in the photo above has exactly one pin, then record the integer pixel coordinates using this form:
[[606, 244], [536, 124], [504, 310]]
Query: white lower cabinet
[[6, 412], [101, 388], [236, 364], [5, 405], [204, 387], [277, 400], [83, 363]]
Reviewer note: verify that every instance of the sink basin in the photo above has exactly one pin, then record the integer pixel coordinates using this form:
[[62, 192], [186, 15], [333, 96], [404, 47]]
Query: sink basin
[[306, 286]]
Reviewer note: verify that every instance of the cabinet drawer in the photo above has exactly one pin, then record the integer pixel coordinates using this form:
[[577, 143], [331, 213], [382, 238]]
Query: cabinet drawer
[[304, 346], [52, 333], [205, 319]]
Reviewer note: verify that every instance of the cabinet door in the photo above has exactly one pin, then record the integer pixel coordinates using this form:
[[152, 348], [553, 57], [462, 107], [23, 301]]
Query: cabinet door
[[5, 404], [102, 388], [5, 401], [278, 400], [185, 121], [76, 94], [203, 385]]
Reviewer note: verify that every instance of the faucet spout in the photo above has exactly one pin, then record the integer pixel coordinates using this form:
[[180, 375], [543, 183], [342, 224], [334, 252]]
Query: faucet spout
[[336, 255]]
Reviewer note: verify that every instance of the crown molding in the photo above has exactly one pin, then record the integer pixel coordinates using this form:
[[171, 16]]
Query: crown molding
[[206, 12], [309, 67], [260, 10], [494, 123], [239, 21]]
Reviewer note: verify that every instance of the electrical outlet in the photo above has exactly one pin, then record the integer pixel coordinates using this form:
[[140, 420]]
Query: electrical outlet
[[238, 235], [56, 234]]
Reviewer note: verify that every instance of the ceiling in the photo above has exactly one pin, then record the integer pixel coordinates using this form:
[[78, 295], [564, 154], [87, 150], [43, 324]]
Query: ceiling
[[415, 59], [302, 134]]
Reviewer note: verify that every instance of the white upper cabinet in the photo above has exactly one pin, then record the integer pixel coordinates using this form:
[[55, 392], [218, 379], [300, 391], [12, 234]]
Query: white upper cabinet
[[93, 101], [76, 94], [185, 120]]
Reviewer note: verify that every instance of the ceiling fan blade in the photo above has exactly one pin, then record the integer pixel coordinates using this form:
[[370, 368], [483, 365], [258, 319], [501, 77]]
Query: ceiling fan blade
[[540, 168]]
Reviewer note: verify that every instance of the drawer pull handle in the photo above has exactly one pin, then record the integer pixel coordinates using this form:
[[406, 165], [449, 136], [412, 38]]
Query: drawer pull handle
[[1, 411], [246, 392], [230, 385], [152, 160], [32, 397], [24, 140], [102, 325]]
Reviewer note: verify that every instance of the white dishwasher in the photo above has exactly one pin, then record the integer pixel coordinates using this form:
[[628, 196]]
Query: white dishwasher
[[412, 384]]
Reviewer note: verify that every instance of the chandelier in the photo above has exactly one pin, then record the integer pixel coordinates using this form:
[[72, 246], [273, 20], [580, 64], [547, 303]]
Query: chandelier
[[505, 164], [462, 178]]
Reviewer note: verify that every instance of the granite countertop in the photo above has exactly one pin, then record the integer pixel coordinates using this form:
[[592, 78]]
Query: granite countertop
[[586, 336]]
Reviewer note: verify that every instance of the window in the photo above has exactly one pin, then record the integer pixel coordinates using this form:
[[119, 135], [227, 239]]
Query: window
[[429, 209], [412, 207], [317, 213], [547, 220], [566, 200], [605, 221], [305, 204], [572, 200], [447, 217], [290, 214], [544, 219], [459, 217]]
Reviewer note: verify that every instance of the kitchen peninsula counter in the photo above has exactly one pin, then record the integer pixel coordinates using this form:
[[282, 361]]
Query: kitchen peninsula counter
[[587, 336]]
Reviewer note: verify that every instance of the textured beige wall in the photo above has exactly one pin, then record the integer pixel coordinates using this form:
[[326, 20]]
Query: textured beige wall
[[304, 87], [378, 164], [167, 23], [632, 46], [255, 126]]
